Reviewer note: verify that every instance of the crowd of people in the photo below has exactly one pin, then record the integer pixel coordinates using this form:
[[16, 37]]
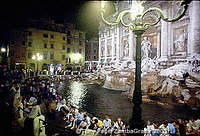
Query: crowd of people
[[177, 127], [36, 107]]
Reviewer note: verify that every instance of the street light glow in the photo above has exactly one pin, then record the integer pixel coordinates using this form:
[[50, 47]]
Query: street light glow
[[76, 56], [37, 57], [34, 57], [102, 4], [136, 9], [3, 49]]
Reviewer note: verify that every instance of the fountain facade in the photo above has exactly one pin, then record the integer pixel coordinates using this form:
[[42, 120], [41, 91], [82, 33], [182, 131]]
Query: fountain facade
[[169, 51]]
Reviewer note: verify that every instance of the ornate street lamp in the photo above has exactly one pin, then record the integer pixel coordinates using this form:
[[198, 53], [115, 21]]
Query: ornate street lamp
[[37, 57], [138, 25]]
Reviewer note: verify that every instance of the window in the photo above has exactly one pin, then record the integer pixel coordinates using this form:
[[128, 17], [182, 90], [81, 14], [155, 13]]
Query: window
[[29, 55], [29, 43], [74, 50], [68, 60], [80, 42], [52, 46], [29, 33], [51, 56], [12, 53], [63, 37], [95, 51], [23, 54], [45, 35], [63, 47], [52, 36], [63, 57], [23, 43], [80, 50], [68, 33], [45, 55], [69, 41], [80, 35], [45, 45], [68, 50]]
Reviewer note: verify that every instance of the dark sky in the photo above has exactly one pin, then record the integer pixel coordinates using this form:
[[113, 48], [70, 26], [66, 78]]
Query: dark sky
[[85, 14], [16, 12]]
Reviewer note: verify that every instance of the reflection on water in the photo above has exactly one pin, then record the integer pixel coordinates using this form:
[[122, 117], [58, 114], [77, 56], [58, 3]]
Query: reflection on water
[[99, 102], [77, 92]]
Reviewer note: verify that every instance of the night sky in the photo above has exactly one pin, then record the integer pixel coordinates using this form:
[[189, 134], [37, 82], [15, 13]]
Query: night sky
[[15, 14]]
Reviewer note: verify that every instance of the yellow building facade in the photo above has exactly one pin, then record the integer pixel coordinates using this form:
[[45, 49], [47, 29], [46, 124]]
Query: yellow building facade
[[65, 50]]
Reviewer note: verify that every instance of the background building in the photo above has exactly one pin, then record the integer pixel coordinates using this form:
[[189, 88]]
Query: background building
[[171, 43], [60, 46], [91, 54]]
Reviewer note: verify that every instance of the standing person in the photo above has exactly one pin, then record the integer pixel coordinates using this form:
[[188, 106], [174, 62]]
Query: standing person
[[181, 127]]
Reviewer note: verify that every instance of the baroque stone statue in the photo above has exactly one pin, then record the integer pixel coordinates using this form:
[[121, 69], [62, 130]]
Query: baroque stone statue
[[179, 43], [146, 47], [126, 48]]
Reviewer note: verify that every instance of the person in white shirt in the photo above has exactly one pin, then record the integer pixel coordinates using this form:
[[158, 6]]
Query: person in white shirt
[[148, 129], [106, 124]]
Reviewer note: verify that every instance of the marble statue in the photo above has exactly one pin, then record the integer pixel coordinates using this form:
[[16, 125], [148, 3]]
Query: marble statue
[[126, 49], [146, 47], [109, 49], [180, 43], [102, 51], [116, 5]]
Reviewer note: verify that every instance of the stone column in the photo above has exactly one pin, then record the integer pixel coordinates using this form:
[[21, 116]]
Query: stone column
[[194, 29], [100, 38], [117, 44], [158, 44], [131, 44], [113, 44], [169, 32], [105, 48], [164, 39]]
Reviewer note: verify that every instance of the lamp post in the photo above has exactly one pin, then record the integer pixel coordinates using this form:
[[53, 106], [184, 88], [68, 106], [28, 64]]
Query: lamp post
[[37, 57], [138, 25], [3, 55]]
